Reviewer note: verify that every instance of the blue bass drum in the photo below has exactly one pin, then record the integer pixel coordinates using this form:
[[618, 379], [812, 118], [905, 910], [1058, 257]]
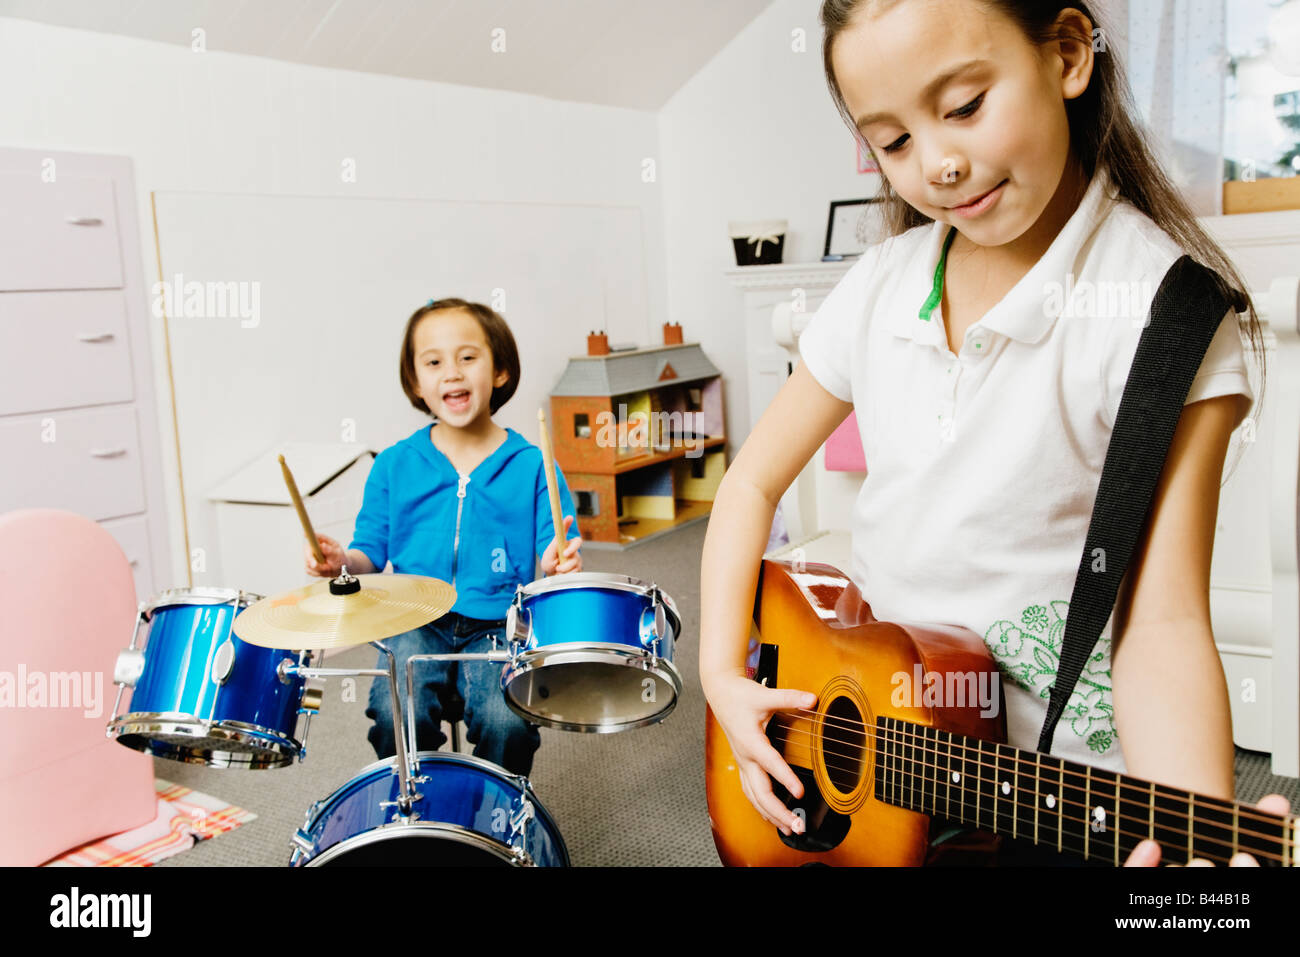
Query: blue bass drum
[[203, 696], [592, 652], [466, 812]]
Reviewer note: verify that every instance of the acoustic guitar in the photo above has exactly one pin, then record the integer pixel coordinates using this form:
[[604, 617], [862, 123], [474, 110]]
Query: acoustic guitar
[[886, 767]]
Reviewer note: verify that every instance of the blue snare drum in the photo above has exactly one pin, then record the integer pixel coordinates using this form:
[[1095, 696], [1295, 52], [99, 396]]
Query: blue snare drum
[[466, 812], [203, 696], [591, 652]]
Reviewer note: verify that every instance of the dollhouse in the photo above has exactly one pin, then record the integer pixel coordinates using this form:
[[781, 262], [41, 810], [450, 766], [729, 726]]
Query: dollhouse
[[639, 436]]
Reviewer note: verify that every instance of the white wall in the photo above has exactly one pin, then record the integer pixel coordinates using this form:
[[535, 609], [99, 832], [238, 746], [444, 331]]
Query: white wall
[[753, 135], [221, 122]]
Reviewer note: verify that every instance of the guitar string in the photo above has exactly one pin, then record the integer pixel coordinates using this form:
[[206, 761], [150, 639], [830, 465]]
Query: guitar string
[[862, 727], [1243, 810], [1183, 815], [964, 805], [859, 764]]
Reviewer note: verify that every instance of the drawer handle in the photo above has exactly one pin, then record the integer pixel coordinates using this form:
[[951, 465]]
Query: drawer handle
[[107, 453], [94, 336], [84, 221]]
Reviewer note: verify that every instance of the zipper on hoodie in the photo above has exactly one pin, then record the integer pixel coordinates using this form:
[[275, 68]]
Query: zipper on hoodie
[[455, 547]]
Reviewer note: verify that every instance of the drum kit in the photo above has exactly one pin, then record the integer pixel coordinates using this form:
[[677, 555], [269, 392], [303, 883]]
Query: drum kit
[[224, 678]]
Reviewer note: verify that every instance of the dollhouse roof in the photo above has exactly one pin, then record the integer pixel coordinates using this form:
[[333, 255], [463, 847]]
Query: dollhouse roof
[[635, 370]]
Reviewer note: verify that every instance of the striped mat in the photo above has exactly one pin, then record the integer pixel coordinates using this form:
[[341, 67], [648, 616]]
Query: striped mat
[[184, 818]]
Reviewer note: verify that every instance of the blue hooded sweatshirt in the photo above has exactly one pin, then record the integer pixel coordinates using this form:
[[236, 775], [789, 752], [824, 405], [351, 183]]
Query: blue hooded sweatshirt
[[411, 508]]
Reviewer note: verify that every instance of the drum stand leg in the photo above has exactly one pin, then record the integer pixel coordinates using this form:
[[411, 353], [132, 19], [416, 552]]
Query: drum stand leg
[[404, 796]]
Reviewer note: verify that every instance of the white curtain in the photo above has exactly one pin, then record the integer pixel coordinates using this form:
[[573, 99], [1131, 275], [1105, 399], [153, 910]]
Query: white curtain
[[1175, 53]]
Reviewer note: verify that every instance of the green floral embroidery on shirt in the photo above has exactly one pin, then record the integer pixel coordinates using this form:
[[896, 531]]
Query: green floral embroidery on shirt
[[1028, 652]]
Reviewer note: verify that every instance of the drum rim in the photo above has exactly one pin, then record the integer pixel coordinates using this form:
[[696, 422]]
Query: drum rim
[[607, 580], [207, 595], [425, 829], [450, 757], [143, 724], [598, 654]]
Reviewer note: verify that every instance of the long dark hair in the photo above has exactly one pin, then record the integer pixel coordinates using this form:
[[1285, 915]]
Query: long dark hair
[[1102, 133]]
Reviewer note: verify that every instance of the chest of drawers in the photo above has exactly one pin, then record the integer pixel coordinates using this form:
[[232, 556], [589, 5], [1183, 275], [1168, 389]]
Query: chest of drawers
[[78, 415]]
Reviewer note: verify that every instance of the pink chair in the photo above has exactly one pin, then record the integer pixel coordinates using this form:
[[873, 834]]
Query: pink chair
[[69, 608]]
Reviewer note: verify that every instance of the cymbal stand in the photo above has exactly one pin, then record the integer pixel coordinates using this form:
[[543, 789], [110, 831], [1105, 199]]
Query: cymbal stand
[[405, 795]]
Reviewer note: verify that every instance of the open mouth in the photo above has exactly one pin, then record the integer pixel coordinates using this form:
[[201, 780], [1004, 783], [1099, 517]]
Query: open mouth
[[456, 401]]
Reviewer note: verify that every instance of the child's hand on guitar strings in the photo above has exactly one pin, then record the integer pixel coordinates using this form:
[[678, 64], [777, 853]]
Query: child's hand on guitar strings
[[743, 708], [1147, 853]]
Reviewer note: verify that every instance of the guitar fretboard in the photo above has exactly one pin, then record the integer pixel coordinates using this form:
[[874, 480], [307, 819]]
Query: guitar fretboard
[[1075, 808]]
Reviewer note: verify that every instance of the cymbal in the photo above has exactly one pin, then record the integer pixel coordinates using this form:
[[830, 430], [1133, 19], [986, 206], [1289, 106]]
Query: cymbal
[[312, 617]]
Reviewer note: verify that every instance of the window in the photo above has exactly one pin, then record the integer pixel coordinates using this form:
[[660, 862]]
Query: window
[[586, 503]]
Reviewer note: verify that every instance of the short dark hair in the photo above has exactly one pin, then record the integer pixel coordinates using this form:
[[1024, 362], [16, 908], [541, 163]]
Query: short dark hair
[[500, 340]]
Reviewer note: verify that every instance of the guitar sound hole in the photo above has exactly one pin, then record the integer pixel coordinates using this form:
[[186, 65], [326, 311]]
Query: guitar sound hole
[[825, 828], [844, 742]]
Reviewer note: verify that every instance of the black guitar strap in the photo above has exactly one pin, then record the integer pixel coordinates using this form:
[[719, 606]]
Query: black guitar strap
[[1185, 314]]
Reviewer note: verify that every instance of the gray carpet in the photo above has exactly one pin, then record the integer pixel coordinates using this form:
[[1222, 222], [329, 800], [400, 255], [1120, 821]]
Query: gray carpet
[[635, 798]]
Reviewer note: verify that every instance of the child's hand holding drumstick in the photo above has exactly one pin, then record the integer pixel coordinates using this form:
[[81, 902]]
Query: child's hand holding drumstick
[[572, 560], [324, 557]]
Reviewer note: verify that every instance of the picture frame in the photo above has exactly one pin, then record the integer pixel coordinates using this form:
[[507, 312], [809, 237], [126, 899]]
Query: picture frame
[[844, 239]]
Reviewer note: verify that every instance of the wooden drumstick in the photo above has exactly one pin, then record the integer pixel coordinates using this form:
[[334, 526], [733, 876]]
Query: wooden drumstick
[[302, 511], [548, 466]]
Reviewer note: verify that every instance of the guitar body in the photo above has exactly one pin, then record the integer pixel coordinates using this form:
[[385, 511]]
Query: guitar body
[[816, 633]]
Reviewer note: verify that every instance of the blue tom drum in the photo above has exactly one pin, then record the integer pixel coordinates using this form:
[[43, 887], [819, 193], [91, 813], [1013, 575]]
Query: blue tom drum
[[592, 652], [203, 696]]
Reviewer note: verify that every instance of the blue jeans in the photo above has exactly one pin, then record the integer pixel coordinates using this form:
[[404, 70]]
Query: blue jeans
[[497, 733]]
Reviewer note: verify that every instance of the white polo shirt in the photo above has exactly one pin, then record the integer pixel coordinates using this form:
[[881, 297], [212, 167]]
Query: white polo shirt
[[982, 467]]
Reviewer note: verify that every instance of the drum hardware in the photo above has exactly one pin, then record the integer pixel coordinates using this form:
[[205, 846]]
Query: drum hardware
[[312, 698], [345, 584], [405, 795], [524, 813], [223, 662], [300, 841], [409, 709], [408, 814], [130, 664]]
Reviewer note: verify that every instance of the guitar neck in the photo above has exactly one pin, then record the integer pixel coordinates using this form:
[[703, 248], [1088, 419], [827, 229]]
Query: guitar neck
[[1076, 808]]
